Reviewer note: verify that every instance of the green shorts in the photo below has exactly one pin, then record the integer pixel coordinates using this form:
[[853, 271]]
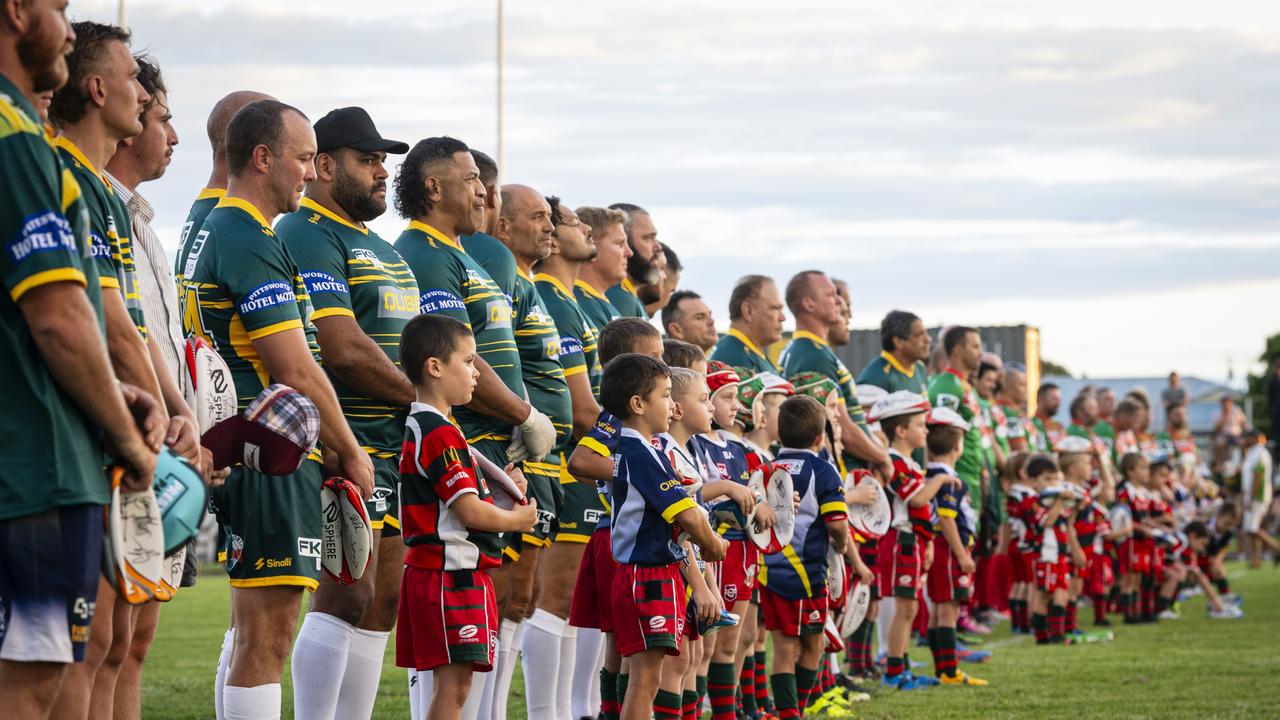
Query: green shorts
[[544, 487], [274, 527], [384, 505], [494, 450], [583, 508]]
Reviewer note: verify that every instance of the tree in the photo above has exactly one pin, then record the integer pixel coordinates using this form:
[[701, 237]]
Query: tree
[[1048, 367], [1258, 384]]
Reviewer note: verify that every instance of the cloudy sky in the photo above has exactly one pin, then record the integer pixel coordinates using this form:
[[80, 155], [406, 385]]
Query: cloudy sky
[[1104, 170]]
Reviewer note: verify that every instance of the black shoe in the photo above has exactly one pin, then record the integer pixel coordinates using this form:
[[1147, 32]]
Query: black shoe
[[1102, 623]]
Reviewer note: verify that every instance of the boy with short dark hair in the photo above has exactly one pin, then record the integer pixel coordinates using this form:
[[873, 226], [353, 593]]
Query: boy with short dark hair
[[648, 503], [448, 616], [793, 590]]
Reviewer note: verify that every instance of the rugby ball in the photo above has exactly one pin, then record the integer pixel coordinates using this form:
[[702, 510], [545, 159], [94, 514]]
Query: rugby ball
[[871, 521], [835, 576], [773, 483], [506, 494], [133, 543], [835, 643], [855, 608], [211, 392], [346, 535], [174, 565]]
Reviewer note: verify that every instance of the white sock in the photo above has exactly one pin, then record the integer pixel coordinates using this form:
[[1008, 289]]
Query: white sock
[[564, 681], [540, 659], [420, 682], [364, 670], [593, 697], [475, 698], [251, 703], [220, 677], [585, 670], [883, 621], [509, 635], [319, 661]]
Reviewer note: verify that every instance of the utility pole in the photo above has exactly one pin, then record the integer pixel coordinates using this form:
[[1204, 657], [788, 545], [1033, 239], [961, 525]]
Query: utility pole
[[502, 164]]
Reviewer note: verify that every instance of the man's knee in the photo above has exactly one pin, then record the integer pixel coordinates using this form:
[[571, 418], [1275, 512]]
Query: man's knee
[[348, 603]]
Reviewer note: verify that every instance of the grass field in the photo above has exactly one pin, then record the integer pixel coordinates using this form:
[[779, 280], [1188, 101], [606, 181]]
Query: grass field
[[1190, 668]]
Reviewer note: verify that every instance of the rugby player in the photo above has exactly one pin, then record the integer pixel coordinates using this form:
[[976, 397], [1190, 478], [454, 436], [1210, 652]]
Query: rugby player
[[643, 273], [904, 348], [63, 404], [607, 269], [362, 297], [240, 278], [687, 317], [1048, 430], [1012, 399], [951, 389], [755, 323]]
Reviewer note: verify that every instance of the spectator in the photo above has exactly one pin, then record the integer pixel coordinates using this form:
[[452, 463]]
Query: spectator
[[1175, 394]]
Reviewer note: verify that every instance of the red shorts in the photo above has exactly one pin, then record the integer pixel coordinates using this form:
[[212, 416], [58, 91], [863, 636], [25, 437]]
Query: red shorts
[[1052, 576], [867, 551], [737, 572], [900, 562], [793, 618], [1017, 567], [945, 582], [1098, 576], [592, 592], [649, 608], [446, 616]]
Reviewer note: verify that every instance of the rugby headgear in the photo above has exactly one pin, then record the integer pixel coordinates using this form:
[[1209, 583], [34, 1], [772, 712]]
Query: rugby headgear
[[1072, 444], [272, 435], [751, 392], [720, 376], [181, 497], [346, 536], [898, 403], [947, 416], [815, 385]]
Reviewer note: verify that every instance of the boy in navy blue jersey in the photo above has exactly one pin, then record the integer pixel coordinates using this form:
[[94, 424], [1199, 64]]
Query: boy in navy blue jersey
[[648, 502], [793, 590], [950, 579]]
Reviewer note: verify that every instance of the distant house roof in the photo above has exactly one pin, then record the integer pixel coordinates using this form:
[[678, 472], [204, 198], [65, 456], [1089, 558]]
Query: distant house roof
[[1203, 396]]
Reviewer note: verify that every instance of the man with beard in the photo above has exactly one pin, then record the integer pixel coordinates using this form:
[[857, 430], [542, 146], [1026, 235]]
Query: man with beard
[[951, 389], [814, 303], [904, 348], [216, 187], [362, 294], [607, 268], [687, 317], [243, 284], [838, 336], [1012, 400], [1048, 430], [755, 323], [100, 106], [64, 406], [643, 282], [1106, 406]]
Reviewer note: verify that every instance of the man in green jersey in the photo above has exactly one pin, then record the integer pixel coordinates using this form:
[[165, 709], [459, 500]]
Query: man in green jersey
[[1106, 407], [362, 296], [438, 189], [64, 406], [755, 323], [904, 348], [1048, 430], [245, 295], [642, 285], [216, 187], [951, 389], [1012, 400], [687, 317], [606, 269], [813, 301], [1084, 416]]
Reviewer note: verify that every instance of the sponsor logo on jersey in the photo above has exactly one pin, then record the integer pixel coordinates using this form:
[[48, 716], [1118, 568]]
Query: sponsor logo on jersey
[[791, 465], [468, 632], [367, 255], [267, 295], [318, 282], [98, 246], [309, 547], [905, 580], [569, 345], [814, 616], [193, 253], [438, 300], [235, 550], [379, 498], [41, 232], [499, 313], [731, 592], [657, 622], [552, 349], [397, 303], [592, 516]]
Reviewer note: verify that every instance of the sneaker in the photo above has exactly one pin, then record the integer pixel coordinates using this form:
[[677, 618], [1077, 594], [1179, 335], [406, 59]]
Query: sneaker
[[849, 685], [927, 680], [961, 678], [1228, 612], [1233, 599], [970, 625], [972, 656], [1169, 614], [828, 704]]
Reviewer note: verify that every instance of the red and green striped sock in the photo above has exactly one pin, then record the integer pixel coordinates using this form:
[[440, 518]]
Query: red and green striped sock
[[666, 706], [720, 689], [944, 653], [806, 686], [747, 683], [689, 704], [763, 701], [784, 695], [609, 705]]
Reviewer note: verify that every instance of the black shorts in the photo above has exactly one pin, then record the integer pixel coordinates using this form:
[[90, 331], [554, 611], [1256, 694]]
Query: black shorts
[[274, 527], [49, 568], [384, 505]]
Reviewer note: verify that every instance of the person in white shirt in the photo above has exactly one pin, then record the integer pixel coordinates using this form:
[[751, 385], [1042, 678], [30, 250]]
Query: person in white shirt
[[1255, 495]]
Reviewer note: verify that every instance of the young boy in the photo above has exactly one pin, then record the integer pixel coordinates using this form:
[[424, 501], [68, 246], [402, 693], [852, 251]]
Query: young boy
[[1133, 506], [793, 582], [648, 502], [1019, 499], [448, 614], [1199, 545], [1041, 472], [901, 554], [951, 575], [1077, 459]]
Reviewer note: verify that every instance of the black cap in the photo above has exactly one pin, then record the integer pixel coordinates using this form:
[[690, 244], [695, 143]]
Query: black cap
[[352, 127]]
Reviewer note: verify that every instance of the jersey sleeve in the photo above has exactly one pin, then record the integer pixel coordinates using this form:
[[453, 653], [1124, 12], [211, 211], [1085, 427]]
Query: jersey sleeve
[[439, 281], [948, 500], [260, 284], [447, 460], [850, 389], [39, 244], [322, 262], [602, 438], [905, 482], [573, 356], [829, 492], [945, 392], [659, 486]]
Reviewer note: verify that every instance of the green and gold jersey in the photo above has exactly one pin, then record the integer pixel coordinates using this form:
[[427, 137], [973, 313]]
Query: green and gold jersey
[[496, 260], [1107, 434], [809, 353], [624, 298], [579, 352], [52, 451], [735, 349], [886, 373], [240, 284], [595, 305], [348, 270], [200, 210], [452, 283], [539, 342], [949, 390], [110, 231]]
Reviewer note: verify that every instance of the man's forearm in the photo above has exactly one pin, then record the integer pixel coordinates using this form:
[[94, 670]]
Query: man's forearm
[[174, 402], [129, 354], [860, 443], [492, 397], [585, 409], [355, 359]]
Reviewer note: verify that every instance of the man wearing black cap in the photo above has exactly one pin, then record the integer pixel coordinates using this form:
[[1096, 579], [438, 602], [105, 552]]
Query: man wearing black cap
[[363, 294]]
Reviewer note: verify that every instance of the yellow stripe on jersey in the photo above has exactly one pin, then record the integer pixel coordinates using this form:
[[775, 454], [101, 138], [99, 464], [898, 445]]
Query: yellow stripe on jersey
[[272, 330], [596, 446], [790, 554], [676, 508], [330, 312], [833, 507], [45, 278]]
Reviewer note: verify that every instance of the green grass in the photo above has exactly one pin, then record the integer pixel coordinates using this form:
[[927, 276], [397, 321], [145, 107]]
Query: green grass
[[1191, 668]]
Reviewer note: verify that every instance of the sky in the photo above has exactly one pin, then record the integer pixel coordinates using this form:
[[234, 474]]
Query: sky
[[1105, 171]]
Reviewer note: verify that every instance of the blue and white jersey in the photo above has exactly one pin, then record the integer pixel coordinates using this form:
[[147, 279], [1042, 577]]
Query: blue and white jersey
[[602, 439], [726, 460], [800, 570], [953, 502], [645, 497]]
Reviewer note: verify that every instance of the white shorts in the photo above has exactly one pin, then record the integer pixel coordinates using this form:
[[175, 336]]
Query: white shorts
[[1254, 512]]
